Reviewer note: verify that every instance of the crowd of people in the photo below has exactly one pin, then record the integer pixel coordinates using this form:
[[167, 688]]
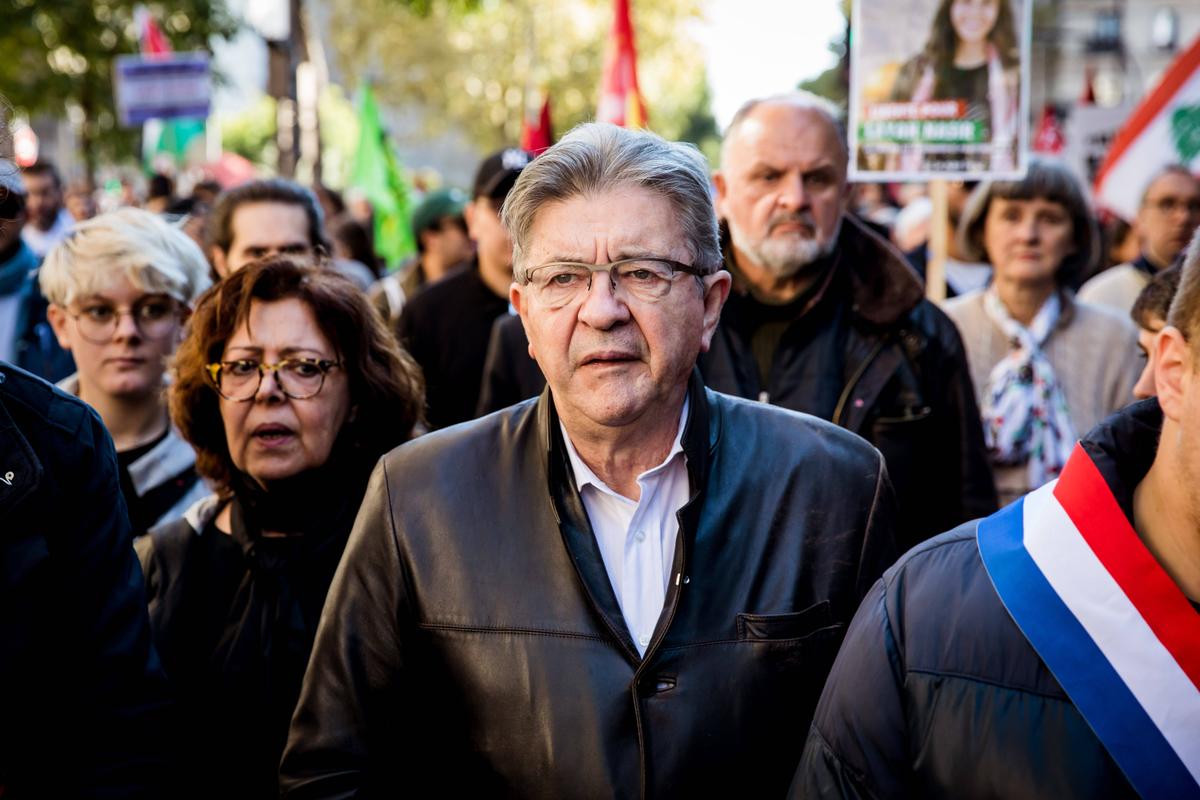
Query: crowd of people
[[535, 515]]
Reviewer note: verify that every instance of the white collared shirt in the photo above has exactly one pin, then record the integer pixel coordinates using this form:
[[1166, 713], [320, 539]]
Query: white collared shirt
[[637, 538]]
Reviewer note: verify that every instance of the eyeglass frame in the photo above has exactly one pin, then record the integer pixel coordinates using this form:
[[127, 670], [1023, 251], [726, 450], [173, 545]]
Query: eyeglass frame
[[677, 268], [213, 370], [179, 311], [1170, 205]]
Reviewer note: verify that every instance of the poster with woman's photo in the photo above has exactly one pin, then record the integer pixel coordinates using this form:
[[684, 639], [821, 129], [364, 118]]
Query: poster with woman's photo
[[939, 89]]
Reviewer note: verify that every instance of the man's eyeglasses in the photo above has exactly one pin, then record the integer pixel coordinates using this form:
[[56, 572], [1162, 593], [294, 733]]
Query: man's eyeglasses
[[297, 378], [1170, 205], [155, 317], [647, 279]]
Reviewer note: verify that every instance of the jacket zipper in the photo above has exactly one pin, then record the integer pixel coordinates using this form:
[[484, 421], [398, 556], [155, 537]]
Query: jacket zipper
[[854, 379]]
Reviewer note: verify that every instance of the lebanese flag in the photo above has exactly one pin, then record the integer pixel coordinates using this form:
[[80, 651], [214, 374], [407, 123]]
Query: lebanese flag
[[620, 100], [1164, 129], [537, 135]]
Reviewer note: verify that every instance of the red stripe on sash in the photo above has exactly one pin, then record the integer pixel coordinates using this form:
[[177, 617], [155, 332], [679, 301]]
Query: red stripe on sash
[[1090, 504]]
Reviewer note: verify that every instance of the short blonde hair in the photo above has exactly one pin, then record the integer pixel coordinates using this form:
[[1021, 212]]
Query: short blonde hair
[[151, 253]]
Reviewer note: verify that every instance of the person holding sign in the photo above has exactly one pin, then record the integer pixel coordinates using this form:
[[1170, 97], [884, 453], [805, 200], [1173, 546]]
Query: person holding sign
[[1051, 650]]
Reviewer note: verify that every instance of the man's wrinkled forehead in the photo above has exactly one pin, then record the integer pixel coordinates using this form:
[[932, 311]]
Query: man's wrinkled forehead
[[771, 133]]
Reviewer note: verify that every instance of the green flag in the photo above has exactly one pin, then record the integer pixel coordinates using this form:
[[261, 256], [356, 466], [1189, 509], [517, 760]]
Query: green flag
[[377, 173]]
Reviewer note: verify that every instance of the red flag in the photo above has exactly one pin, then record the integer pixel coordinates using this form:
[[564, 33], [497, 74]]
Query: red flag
[[1049, 138], [537, 135], [620, 100], [1088, 97], [154, 42]]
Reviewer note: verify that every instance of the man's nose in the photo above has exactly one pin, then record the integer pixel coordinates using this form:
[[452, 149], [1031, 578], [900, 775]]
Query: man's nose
[[791, 193], [601, 308]]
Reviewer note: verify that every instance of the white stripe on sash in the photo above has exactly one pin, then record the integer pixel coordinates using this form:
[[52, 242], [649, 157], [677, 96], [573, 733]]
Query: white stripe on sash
[[1093, 596]]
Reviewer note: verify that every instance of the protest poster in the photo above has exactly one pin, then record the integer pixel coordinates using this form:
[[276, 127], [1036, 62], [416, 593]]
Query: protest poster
[[939, 89]]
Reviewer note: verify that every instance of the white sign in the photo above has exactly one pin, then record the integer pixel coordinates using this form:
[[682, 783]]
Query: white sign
[[1089, 132], [162, 87], [939, 89]]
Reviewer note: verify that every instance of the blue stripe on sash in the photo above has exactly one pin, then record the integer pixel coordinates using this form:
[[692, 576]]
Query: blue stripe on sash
[[1096, 690]]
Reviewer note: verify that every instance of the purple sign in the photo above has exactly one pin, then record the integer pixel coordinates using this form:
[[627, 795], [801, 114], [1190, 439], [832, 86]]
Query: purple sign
[[166, 86]]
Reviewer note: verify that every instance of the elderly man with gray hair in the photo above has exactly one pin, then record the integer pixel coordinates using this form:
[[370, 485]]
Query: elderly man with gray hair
[[631, 585], [827, 318]]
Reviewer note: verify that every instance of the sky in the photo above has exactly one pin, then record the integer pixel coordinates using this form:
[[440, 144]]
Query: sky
[[760, 47]]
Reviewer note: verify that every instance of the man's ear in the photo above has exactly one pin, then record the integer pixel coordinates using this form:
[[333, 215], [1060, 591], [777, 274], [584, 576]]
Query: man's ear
[[716, 292], [1174, 370], [722, 187], [220, 264], [517, 297], [57, 317]]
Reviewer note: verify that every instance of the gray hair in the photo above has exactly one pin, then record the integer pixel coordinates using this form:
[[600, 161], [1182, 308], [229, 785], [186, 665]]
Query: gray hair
[[149, 252], [597, 157], [1169, 169], [806, 101], [1046, 179]]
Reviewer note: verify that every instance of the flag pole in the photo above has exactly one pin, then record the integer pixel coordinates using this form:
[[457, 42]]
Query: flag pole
[[939, 241]]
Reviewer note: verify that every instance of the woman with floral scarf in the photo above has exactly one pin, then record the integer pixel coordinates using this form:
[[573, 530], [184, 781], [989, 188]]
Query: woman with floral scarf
[[1046, 368]]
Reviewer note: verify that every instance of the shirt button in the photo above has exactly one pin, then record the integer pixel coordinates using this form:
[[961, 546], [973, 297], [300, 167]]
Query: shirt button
[[639, 536], [643, 640]]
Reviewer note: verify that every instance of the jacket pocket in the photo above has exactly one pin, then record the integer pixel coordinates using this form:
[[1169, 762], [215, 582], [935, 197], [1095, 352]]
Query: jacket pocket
[[793, 625]]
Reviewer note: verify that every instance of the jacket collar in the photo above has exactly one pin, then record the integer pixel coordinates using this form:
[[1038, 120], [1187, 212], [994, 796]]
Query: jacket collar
[[1123, 448], [884, 288], [699, 440], [166, 460]]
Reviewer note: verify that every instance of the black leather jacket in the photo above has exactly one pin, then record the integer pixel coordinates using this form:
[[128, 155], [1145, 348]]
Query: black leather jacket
[[937, 693], [83, 709], [472, 643], [903, 384]]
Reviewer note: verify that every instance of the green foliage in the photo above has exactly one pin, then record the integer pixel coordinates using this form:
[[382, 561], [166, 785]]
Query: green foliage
[[251, 133], [59, 58], [472, 65], [834, 83]]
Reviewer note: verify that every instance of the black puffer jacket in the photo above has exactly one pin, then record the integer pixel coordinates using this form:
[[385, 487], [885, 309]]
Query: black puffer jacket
[[82, 697], [472, 644], [901, 383], [936, 693]]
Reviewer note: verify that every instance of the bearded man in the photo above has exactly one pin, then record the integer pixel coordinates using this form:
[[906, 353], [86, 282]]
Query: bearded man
[[828, 318]]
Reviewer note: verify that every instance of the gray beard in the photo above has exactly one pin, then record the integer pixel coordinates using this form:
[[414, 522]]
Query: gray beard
[[784, 257]]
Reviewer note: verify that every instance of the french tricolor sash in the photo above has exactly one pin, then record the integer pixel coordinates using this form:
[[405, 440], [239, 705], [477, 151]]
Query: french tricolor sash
[[1113, 628]]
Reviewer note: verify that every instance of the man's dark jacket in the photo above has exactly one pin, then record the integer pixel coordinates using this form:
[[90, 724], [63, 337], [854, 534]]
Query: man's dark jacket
[[936, 692], [472, 643], [82, 696], [902, 384], [446, 328]]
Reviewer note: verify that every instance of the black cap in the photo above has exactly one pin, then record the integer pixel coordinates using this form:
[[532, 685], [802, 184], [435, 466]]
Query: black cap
[[499, 172]]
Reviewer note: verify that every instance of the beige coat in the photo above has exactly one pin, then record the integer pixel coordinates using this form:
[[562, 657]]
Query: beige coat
[[1093, 351]]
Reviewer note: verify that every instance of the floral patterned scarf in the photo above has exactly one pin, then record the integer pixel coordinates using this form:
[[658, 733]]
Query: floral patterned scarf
[[1025, 419]]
